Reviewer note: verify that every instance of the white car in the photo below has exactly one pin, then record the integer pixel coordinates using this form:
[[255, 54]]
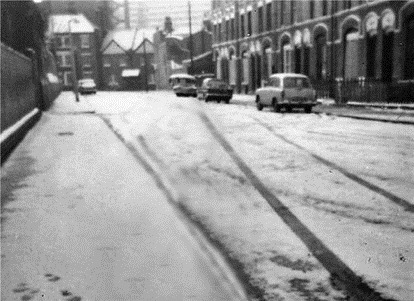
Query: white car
[[288, 91], [183, 84]]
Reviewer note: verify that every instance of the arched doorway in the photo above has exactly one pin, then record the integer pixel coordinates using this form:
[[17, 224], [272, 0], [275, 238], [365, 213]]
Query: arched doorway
[[232, 67], [321, 56], [388, 27], [267, 59], [371, 29], [253, 71], [245, 79], [298, 51], [218, 64], [320, 34], [409, 47], [350, 37], [259, 71], [286, 54]]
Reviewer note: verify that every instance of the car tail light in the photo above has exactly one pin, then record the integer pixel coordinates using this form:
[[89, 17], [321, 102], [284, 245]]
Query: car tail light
[[282, 94]]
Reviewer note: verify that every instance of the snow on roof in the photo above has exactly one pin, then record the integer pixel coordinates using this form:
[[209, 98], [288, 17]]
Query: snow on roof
[[70, 24], [127, 39], [288, 75], [130, 72], [182, 75]]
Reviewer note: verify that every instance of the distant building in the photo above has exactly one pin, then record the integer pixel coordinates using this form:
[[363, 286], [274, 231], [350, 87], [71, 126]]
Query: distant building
[[202, 61], [75, 32], [328, 40], [151, 14], [102, 13], [128, 60]]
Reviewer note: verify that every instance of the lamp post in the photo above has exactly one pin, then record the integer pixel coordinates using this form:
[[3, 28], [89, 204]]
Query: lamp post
[[72, 46]]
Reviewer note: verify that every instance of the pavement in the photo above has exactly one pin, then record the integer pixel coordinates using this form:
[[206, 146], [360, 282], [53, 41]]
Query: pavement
[[393, 113], [82, 219]]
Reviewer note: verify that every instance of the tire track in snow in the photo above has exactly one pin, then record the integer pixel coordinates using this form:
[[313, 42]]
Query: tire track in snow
[[390, 196], [341, 273]]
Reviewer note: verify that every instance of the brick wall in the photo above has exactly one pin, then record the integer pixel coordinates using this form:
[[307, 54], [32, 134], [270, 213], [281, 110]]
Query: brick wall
[[18, 91]]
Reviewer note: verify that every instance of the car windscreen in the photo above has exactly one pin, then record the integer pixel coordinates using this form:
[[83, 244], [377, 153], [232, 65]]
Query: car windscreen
[[87, 81], [217, 84], [296, 82]]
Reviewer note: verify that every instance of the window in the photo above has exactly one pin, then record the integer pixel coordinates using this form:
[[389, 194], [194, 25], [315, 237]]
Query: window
[[63, 41], [324, 7], [122, 62], [67, 78], [275, 82], [106, 62], [282, 11], [242, 26], [87, 74], [249, 23], [293, 14], [215, 32], [348, 4], [64, 59], [227, 30], [269, 16], [219, 32], [260, 18], [151, 78], [85, 41], [232, 33], [86, 60], [312, 9], [294, 82]]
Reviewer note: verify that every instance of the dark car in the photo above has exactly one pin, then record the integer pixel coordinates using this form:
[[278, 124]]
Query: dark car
[[215, 89], [86, 86]]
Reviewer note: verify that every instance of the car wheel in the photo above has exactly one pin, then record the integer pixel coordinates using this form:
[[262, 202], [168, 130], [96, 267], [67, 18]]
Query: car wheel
[[276, 106], [289, 109], [308, 109], [207, 99], [259, 106], [227, 100]]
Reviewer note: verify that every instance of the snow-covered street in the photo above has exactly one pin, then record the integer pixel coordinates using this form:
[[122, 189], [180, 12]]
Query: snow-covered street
[[302, 206], [349, 182]]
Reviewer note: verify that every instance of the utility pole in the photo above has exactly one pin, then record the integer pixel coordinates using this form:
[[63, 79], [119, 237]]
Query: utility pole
[[74, 75], [191, 38], [145, 64]]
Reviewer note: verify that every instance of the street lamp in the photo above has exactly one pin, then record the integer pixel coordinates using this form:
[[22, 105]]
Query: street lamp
[[72, 46]]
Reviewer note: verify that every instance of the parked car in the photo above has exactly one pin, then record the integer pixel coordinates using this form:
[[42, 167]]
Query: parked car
[[183, 84], [215, 89], [86, 86], [288, 91]]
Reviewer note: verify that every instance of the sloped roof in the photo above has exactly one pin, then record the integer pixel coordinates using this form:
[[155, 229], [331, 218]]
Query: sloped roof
[[78, 24], [127, 39], [113, 48], [149, 47]]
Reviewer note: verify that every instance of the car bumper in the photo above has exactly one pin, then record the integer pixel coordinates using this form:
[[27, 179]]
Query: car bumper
[[298, 104], [87, 90], [186, 91], [219, 95]]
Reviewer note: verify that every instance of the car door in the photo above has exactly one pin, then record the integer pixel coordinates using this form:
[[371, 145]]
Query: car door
[[272, 91]]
